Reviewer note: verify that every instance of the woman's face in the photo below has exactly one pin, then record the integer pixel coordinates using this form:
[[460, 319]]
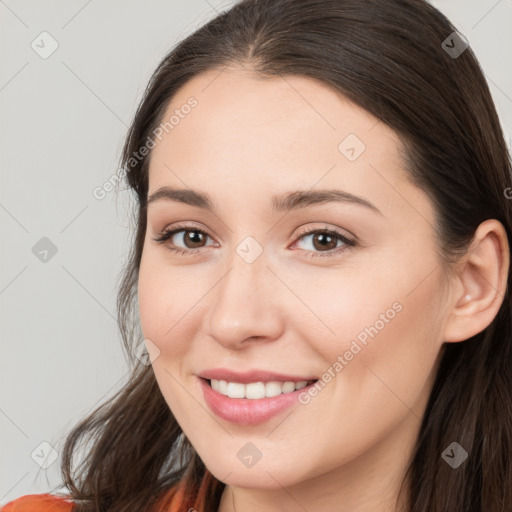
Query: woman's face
[[258, 291]]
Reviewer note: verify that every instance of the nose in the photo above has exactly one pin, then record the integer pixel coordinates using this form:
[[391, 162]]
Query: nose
[[246, 304]]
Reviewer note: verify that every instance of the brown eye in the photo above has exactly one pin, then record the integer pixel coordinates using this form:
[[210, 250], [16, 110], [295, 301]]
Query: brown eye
[[324, 242], [189, 240], [193, 239]]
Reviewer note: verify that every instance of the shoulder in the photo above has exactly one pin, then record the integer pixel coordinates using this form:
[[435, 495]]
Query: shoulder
[[38, 503]]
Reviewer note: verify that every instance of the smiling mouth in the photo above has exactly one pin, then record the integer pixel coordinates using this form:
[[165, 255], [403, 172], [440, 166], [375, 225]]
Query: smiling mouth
[[257, 390]]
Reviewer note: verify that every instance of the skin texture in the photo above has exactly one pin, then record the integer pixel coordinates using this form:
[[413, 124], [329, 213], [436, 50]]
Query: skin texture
[[248, 139]]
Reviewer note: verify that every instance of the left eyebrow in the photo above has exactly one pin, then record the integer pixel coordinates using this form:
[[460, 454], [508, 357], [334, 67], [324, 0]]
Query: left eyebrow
[[286, 202], [304, 198]]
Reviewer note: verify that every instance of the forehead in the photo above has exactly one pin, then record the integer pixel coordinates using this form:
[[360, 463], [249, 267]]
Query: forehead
[[236, 105]]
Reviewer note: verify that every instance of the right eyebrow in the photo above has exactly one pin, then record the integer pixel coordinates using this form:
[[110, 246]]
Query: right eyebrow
[[186, 196]]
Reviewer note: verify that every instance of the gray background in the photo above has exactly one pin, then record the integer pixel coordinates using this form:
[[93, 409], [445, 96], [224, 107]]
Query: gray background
[[63, 120]]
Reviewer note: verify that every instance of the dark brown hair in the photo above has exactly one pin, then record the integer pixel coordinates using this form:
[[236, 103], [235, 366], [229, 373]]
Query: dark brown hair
[[386, 56]]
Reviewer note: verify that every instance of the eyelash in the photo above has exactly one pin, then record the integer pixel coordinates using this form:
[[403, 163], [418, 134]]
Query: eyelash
[[166, 234]]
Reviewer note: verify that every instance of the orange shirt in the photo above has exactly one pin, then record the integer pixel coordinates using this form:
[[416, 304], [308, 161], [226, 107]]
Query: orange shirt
[[50, 503], [38, 502]]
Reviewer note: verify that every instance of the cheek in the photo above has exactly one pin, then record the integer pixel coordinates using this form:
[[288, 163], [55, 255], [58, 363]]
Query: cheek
[[384, 357], [385, 372], [163, 302], [383, 328], [152, 299], [163, 307]]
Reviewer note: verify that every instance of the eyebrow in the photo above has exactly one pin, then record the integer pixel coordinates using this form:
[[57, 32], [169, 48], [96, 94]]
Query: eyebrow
[[290, 201]]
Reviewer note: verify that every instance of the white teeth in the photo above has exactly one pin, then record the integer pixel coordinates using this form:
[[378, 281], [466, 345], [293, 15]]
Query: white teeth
[[235, 390], [256, 390]]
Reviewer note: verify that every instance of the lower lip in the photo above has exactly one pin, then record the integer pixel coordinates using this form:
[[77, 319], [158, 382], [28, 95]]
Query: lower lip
[[245, 411]]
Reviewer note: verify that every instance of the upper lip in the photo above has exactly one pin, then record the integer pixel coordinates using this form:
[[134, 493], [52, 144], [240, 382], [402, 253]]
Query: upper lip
[[250, 376]]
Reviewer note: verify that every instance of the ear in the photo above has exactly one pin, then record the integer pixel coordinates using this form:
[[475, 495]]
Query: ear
[[480, 283]]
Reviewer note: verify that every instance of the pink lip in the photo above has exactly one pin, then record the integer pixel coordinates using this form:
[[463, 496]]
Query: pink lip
[[250, 376], [246, 411]]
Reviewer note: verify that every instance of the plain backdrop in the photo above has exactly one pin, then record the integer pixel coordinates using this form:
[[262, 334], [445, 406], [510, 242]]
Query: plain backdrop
[[63, 120]]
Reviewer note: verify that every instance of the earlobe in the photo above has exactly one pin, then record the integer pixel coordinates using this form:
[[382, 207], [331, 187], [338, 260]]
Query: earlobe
[[481, 283]]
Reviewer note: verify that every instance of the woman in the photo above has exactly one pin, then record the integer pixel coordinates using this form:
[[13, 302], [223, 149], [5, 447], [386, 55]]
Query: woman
[[377, 379]]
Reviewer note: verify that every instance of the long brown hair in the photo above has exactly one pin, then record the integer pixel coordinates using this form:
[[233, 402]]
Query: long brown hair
[[388, 57]]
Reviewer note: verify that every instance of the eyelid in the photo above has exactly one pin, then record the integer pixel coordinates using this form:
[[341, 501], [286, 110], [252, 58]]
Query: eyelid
[[300, 232], [168, 232], [344, 233], [349, 242]]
